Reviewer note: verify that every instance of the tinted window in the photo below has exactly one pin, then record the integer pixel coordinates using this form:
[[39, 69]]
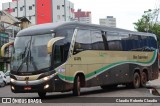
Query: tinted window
[[83, 41], [148, 43], [97, 40], [67, 33], [114, 41], [134, 41], [61, 47], [7, 74]]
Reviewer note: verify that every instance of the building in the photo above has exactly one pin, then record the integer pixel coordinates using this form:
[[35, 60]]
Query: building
[[4, 62], [9, 27], [12, 25], [109, 21], [9, 24], [83, 16], [41, 11]]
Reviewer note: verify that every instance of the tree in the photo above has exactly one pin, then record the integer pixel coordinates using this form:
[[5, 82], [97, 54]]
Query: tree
[[148, 23]]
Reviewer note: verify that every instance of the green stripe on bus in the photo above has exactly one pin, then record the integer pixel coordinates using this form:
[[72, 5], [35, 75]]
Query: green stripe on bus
[[66, 77], [118, 63], [69, 78]]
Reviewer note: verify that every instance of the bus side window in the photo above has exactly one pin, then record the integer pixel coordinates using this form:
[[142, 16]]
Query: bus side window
[[97, 40], [114, 41], [83, 41]]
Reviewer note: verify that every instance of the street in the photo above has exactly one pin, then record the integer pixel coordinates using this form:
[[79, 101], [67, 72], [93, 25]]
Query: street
[[121, 91], [91, 95], [61, 98]]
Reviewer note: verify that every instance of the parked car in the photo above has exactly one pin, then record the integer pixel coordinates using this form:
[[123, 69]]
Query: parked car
[[2, 83], [4, 77], [8, 77]]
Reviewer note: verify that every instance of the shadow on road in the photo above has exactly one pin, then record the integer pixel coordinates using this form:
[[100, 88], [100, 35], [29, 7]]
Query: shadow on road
[[83, 93]]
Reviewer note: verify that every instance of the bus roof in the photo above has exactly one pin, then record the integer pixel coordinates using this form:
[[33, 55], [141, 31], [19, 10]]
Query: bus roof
[[50, 27]]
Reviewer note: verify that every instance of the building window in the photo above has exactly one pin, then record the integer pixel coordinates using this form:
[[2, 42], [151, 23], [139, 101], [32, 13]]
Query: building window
[[30, 17], [30, 7], [21, 8], [13, 9], [58, 7], [58, 17]]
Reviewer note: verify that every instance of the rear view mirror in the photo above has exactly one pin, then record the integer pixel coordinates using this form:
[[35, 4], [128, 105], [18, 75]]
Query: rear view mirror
[[51, 42], [4, 47]]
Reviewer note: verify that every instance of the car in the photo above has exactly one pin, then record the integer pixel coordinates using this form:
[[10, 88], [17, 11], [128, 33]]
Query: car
[[2, 83], [8, 77], [3, 77]]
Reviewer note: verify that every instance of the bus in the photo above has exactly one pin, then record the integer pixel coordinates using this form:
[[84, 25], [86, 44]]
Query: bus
[[68, 56]]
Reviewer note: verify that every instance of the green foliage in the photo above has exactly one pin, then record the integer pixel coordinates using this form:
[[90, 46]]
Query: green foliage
[[148, 23]]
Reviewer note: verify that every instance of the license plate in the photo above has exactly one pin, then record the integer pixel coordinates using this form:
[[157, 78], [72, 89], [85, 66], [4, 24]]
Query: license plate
[[27, 88]]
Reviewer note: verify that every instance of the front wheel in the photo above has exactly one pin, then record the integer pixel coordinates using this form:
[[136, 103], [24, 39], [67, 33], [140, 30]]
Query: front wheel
[[42, 94], [76, 86]]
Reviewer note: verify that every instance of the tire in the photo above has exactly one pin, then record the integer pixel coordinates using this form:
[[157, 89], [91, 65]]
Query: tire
[[76, 86], [136, 80], [143, 79], [42, 94], [3, 84]]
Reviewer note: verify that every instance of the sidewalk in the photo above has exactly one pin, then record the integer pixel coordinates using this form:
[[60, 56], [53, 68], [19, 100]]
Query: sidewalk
[[154, 86], [154, 83]]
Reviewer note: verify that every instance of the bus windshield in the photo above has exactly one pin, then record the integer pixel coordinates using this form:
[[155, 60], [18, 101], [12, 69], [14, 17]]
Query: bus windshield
[[30, 53]]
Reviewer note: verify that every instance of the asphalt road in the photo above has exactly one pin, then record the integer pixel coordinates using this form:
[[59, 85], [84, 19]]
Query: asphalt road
[[120, 91], [86, 93]]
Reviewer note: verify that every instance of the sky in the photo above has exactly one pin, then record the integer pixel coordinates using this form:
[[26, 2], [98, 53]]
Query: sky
[[126, 12]]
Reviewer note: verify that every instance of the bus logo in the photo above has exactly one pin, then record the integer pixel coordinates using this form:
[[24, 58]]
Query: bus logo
[[26, 79]]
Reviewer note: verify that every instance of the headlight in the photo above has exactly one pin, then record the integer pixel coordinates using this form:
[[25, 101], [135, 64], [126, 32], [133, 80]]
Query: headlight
[[12, 80], [46, 78]]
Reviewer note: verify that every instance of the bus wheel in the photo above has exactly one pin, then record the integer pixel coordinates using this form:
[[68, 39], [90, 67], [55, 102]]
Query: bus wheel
[[42, 94], [136, 80], [76, 86], [143, 79]]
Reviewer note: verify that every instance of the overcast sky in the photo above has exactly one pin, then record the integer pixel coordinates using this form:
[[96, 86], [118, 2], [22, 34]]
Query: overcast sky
[[125, 11]]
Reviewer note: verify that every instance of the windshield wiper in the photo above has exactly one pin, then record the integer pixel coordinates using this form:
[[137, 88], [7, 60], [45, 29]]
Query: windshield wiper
[[26, 52], [28, 57]]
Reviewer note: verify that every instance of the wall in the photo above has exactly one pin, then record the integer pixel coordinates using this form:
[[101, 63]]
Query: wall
[[58, 14], [44, 11]]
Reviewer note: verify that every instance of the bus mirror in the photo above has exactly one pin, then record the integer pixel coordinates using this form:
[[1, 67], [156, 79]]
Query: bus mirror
[[4, 47], [51, 42]]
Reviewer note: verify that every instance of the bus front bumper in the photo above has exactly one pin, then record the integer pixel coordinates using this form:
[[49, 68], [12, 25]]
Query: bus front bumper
[[32, 86]]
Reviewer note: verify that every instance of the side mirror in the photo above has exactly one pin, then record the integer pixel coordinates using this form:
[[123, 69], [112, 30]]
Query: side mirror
[[5, 46], [51, 42]]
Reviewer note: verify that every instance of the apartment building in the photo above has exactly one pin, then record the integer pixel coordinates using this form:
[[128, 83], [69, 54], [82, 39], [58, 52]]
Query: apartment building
[[41, 11], [83, 16]]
